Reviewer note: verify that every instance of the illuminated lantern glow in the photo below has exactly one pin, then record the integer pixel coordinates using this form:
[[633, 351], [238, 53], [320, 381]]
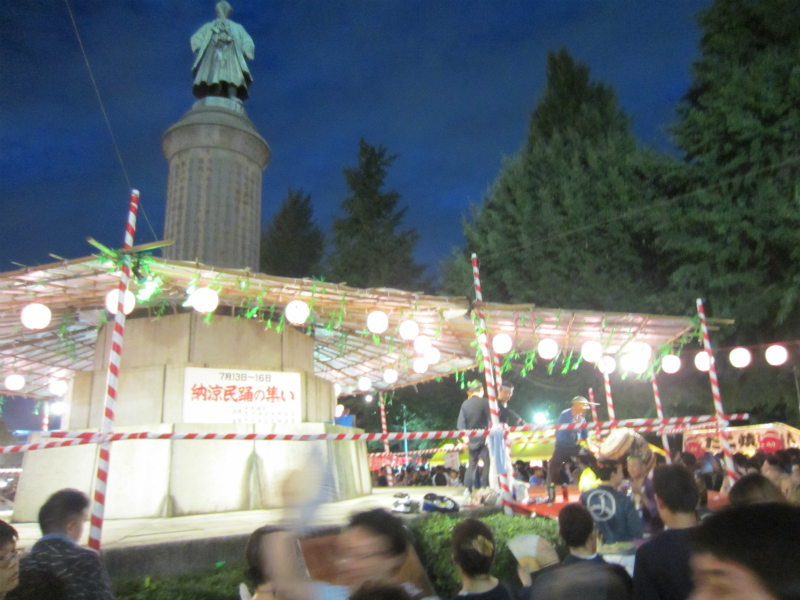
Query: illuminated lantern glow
[[501, 343], [420, 365], [409, 329], [368, 398], [607, 365], [632, 362], [15, 382], [702, 361], [390, 376], [433, 356], [296, 312], [377, 321], [364, 384], [740, 357], [339, 410], [112, 302], [204, 300], [540, 418], [337, 389], [592, 351], [671, 364], [58, 408], [547, 349], [58, 387], [36, 316], [422, 344], [776, 355]]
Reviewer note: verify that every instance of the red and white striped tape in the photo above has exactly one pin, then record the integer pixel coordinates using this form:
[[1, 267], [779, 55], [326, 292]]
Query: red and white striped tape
[[609, 398], [112, 380], [387, 449], [712, 375], [660, 415]]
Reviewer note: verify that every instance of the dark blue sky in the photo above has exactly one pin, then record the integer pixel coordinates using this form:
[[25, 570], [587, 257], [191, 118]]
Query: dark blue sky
[[446, 84]]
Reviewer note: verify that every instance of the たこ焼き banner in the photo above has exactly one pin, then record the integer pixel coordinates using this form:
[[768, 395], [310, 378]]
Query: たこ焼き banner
[[238, 396]]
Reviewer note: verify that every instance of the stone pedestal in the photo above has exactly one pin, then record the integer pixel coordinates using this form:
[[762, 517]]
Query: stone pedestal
[[216, 158]]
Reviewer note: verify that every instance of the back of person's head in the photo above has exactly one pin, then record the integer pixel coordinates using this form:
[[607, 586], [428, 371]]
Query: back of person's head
[[676, 488], [575, 524], [473, 547], [753, 488], [690, 460], [385, 525], [374, 591], [60, 509], [764, 538], [253, 555], [587, 460], [605, 468], [7, 534], [584, 581]]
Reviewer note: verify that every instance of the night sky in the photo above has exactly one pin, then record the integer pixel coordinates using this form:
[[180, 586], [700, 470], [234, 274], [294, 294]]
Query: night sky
[[447, 85]]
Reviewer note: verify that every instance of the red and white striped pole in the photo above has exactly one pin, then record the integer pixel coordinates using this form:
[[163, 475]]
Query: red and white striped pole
[[609, 398], [660, 415], [594, 412], [488, 372], [45, 416], [720, 412], [112, 378], [385, 429]]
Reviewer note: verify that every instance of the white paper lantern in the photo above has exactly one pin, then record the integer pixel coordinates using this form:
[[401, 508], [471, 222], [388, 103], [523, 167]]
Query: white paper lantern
[[377, 321], [740, 357], [547, 348], [204, 300], [420, 365], [58, 387], [702, 361], [776, 355], [58, 408], [422, 344], [36, 316], [112, 302], [433, 356], [409, 329], [368, 398], [502, 343], [671, 364], [15, 382], [364, 384], [592, 351], [390, 376], [607, 365], [339, 410], [337, 390], [633, 362], [296, 312]]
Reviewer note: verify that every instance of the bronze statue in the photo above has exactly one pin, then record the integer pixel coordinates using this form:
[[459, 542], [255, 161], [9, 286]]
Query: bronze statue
[[220, 68]]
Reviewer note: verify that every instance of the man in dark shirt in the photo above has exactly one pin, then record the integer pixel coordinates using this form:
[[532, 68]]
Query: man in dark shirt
[[566, 441], [56, 567], [615, 515], [475, 414], [507, 415], [661, 570]]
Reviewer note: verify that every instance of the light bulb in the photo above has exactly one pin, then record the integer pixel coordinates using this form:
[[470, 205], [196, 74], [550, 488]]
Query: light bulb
[[607, 365], [296, 312], [671, 364], [432, 356], [15, 382], [420, 365], [776, 355], [740, 357], [58, 387], [337, 390], [422, 344], [592, 351], [368, 398], [390, 376], [409, 329], [377, 321], [364, 384], [547, 348], [204, 300], [339, 410], [502, 343], [112, 302], [36, 316], [702, 361]]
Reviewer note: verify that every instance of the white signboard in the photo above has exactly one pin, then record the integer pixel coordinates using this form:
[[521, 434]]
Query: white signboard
[[236, 396]]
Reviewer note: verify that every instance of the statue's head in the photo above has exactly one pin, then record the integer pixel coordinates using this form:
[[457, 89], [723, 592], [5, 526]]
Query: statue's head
[[223, 9]]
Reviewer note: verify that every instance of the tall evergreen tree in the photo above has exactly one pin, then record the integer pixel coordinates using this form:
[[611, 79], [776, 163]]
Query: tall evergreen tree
[[292, 245], [368, 251]]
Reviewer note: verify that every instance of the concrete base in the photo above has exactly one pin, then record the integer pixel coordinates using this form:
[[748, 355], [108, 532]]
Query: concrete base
[[164, 478]]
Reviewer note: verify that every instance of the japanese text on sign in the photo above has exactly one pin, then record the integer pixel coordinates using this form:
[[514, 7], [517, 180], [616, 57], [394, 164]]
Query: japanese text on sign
[[235, 396]]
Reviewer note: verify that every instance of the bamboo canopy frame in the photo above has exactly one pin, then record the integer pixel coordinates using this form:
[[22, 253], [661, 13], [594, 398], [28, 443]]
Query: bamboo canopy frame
[[345, 351]]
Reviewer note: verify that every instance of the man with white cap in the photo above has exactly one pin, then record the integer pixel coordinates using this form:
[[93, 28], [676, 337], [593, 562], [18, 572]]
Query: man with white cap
[[475, 414], [566, 441]]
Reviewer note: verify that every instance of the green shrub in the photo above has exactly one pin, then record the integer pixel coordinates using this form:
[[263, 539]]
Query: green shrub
[[220, 583], [432, 542]]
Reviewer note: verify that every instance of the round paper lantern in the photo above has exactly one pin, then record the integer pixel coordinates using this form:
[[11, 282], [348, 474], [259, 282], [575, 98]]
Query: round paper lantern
[[337, 390], [36, 316], [422, 344], [433, 356], [204, 300], [58, 387], [364, 384], [377, 321], [592, 351], [112, 302], [296, 312], [420, 365], [702, 361], [57, 408], [671, 364], [501, 343], [409, 329], [642, 349], [607, 365], [776, 355], [547, 348], [15, 382], [368, 398], [390, 376], [339, 410], [740, 357]]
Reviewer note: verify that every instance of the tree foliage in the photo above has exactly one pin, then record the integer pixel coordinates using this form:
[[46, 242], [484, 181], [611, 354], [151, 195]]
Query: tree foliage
[[368, 251], [293, 245]]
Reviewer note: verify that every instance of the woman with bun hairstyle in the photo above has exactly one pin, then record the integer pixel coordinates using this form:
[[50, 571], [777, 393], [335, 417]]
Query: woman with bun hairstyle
[[474, 552]]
